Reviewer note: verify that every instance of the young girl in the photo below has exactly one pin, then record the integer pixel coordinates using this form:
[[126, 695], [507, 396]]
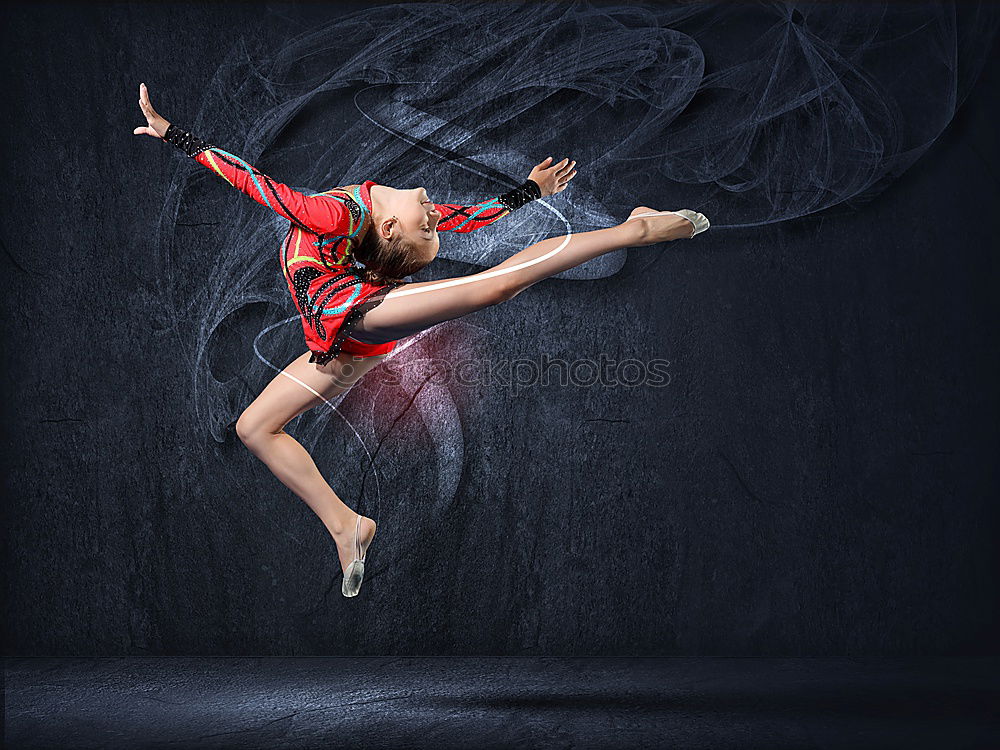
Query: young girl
[[344, 258]]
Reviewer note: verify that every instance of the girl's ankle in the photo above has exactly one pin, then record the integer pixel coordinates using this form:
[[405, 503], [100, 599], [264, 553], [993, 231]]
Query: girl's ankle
[[635, 231]]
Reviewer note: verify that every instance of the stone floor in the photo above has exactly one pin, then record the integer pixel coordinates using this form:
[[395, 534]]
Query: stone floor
[[500, 702]]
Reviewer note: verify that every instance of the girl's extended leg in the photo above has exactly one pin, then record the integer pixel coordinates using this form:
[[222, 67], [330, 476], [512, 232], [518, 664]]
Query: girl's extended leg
[[261, 428], [403, 312]]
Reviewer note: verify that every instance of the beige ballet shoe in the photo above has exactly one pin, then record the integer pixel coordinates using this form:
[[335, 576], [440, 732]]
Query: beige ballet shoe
[[698, 221], [355, 572]]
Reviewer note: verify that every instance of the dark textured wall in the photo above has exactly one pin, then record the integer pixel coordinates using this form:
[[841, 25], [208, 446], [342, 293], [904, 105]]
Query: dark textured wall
[[817, 478]]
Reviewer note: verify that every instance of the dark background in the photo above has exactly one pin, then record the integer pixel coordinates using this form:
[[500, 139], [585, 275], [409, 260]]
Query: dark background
[[818, 478]]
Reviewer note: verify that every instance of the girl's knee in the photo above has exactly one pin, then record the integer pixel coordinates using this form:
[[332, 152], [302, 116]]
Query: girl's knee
[[250, 429], [245, 427], [502, 290]]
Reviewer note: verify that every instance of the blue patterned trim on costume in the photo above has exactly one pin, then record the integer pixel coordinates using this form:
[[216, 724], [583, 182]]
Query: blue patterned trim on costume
[[489, 204], [347, 302]]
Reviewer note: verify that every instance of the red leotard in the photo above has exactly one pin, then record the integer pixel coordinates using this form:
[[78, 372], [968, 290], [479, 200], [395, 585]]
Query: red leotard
[[317, 251]]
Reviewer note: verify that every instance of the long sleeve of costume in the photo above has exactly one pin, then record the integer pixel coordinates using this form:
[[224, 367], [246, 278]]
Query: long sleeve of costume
[[459, 218], [317, 214]]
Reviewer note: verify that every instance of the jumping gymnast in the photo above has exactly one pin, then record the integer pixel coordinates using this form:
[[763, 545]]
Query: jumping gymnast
[[344, 258]]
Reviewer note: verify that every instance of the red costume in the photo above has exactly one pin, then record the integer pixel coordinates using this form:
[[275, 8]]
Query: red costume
[[317, 251]]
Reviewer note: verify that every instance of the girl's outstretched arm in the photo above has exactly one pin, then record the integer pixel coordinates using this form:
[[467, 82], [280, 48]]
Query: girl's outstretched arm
[[542, 182], [319, 214], [456, 217]]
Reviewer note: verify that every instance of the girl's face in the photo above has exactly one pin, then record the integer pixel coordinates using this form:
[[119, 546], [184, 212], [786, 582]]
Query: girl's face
[[416, 218]]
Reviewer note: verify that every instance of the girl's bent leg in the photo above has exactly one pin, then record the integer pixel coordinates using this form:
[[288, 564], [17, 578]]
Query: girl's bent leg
[[261, 428], [404, 313]]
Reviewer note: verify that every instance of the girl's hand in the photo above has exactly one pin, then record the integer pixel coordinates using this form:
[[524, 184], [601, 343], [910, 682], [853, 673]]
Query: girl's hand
[[155, 125], [553, 178]]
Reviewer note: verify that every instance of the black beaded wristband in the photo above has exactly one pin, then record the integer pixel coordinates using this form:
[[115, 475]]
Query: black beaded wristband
[[190, 144], [519, 196]]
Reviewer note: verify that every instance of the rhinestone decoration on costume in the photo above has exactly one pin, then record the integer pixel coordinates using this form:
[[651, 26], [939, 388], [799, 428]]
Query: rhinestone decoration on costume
[[317, 257]]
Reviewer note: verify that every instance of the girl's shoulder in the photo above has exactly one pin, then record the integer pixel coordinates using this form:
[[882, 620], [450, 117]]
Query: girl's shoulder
[[357, 194], [351, 197], [341, 192]]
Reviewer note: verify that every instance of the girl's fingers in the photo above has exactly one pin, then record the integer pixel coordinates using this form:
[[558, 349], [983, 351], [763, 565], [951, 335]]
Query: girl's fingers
[[564, 165], [149, 113], [564, 183], [144, 100]]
